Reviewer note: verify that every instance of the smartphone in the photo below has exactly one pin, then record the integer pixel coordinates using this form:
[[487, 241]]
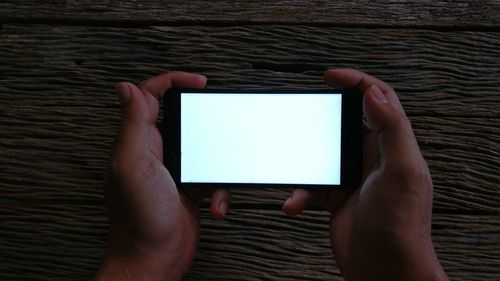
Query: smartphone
[[265, 138]]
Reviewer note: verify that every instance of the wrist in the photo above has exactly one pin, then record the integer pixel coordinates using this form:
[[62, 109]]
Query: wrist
[[399, 261], [135, 255], [135, 266], [419, 263], [128, 259]]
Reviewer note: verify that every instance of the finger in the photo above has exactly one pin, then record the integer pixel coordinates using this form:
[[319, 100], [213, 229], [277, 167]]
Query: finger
[[158, 85], [220, 203], [133, 102], [360, 81], [299, 199], [397, 143], [134, 134]]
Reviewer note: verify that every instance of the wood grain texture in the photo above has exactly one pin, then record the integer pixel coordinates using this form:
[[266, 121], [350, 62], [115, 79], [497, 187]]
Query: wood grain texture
[[58, 115], [57, 154], [59, 112], [66, 241], [429, 14], [452, 73]]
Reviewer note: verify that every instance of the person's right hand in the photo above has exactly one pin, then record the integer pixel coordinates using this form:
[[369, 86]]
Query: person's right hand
[[154, 226], [382, 230]]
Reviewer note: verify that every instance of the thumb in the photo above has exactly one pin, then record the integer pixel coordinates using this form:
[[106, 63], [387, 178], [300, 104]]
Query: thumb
[[397, 144], [133, 102], [132, 140]]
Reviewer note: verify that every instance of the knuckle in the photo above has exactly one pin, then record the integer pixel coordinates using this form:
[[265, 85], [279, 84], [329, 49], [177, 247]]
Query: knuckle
[[410, 173], [121, 169], [399, 120], [393, 120]]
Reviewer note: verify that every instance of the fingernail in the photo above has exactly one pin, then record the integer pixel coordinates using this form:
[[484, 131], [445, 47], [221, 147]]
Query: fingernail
[[223, 208], [289, 200], [377, 94], [203, 78], [123, 90]]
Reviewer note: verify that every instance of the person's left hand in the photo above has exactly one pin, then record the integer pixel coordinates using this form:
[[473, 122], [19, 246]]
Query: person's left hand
[[154, 227]]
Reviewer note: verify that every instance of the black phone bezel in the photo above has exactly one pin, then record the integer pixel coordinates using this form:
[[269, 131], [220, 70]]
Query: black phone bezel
[[351, 140]]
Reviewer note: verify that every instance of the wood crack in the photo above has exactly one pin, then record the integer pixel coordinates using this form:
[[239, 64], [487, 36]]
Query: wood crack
[[130, 24]]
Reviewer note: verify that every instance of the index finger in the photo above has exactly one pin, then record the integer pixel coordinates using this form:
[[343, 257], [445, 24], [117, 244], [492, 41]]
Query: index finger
[[158, 85], [300, 199], [345, 78]]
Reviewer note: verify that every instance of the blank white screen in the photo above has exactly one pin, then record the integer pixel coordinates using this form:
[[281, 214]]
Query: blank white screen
[[260, 138]]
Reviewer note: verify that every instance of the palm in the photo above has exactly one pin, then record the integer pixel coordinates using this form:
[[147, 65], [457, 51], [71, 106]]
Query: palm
[[354, 212], [158, 213], [384, 225], [150, 219], [173, 218]]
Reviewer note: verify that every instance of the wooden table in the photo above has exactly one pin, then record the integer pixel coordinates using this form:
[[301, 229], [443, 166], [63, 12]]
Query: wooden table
[[59, 62]]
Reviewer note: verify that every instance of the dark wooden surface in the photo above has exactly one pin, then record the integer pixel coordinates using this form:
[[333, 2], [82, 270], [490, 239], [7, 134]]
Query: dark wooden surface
[[459, 14], [58, 114]]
